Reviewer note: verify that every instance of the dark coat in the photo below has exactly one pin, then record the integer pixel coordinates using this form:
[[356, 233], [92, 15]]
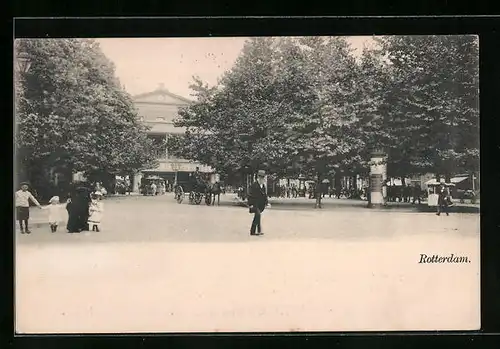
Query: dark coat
[[443, 197], [257, 196], [78, 210]]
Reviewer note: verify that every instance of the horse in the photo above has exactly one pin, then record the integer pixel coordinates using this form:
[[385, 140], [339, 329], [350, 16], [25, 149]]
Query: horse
[[215, 190]]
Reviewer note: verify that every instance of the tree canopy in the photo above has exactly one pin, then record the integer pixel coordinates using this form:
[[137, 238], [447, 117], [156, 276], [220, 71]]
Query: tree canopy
[[310, 106], [431, 108], [73, 113]]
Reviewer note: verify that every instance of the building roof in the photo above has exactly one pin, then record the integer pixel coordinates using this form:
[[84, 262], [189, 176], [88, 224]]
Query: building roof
[[161, 91]]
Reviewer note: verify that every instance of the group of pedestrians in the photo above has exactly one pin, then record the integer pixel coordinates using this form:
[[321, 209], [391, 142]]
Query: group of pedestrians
[[84, 210], [258, 201], [287, 191], [156, 188], [404, 193]]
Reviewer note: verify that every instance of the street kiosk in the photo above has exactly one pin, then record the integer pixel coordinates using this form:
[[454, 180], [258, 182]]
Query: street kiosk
[[432, 191]]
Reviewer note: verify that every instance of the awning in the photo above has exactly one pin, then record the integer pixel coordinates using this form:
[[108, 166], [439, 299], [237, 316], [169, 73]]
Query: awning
[[435, 182], [458, 179]]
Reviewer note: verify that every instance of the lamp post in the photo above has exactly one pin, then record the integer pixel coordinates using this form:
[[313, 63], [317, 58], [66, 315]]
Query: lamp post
[[22, 63], [175, 167]]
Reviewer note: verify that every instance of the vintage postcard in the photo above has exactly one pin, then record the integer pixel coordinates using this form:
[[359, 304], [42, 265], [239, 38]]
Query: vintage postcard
[[247, 184]]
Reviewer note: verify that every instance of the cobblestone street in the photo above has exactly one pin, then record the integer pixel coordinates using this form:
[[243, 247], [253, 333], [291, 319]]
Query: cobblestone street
[[158, 266]]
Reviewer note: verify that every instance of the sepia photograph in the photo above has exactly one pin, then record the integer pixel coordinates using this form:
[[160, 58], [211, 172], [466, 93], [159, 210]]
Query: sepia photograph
[[246, 184]]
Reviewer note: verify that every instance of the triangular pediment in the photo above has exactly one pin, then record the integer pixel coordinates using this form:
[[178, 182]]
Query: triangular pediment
[[161, 96]]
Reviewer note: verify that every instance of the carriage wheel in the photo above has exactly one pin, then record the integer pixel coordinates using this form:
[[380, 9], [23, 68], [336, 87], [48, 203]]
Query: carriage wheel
[[208, 199], [197, 198]]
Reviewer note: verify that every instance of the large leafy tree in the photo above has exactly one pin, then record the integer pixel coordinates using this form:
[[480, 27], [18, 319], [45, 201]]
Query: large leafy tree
[[73, 114], [285, 106], [321, 73], [431, 112], [233, 126], [307, 106], [373, 77]]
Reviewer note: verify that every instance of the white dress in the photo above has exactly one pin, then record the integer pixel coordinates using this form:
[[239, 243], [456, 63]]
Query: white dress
[[96, 210], [55, 213]]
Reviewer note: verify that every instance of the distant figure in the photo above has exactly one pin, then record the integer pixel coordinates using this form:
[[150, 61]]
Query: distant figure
[[153, 188], [196, 180], [216, 191], [178, 193], [23, 198], [443, 200], [416, 194], [257, 202], [100, 188]]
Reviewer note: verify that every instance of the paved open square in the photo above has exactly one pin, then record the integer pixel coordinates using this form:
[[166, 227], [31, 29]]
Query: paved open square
[[158, 266]]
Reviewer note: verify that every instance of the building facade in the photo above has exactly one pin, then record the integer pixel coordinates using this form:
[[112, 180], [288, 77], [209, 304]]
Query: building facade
[[158, 109]]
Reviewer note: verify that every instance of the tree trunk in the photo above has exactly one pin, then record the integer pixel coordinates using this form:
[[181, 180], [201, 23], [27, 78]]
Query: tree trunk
[[318, 191]]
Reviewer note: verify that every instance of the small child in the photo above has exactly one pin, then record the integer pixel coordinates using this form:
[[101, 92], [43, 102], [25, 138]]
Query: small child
[[55, 213], [23, 197], [96, 209]]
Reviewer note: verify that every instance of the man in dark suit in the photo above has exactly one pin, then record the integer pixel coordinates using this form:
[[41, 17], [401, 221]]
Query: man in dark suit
[[443, 200], [417, 193], [257, 202]]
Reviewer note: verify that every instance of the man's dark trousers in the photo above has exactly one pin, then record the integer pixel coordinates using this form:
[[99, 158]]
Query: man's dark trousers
[[257, 200], [256, 221]]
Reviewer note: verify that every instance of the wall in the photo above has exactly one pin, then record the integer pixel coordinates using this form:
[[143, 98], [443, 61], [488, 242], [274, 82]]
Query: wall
[[158, 110]]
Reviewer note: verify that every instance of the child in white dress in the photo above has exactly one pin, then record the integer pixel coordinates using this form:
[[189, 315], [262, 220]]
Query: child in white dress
[[55, 213], [96, 209]]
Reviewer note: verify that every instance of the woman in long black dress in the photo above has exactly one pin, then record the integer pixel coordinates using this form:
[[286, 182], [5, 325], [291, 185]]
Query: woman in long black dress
[[78, 210]]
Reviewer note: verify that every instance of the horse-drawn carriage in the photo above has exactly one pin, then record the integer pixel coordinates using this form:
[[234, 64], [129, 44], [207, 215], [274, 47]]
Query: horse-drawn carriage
[[201, 190]]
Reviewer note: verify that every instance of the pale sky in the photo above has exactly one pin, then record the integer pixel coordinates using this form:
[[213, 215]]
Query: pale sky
[[142, 64]]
